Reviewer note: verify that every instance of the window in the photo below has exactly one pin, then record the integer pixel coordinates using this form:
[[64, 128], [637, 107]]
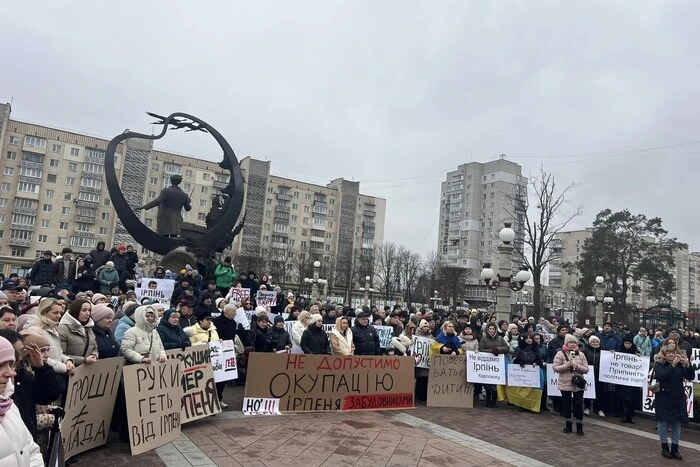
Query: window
[[294, 218], [11, 155], [5, 186], [307, 208], [91, 197], [85, 242], [63, 225], [201, 216], [268, 201], [492, 195], [203, 203], [9, 171], [81, 227], [19, 252], [293, 230], [154, 180], [188, 187], [28, 187], [307, 196], [304, 232], [295, 206], [51, 178], [205, 189], [93, 168], [155, 167], [188, 173], [32, 157], [266, 226], [47, 208], [303, 244], [35, 142], [53, 163], [2, 218], [105, 216], [75, 152], [268, 214], [306, 220], [49, 193], [56, 148], [14, 140], [28, 172], [296, 194], [328, 248], [330, 225], [70, 181], [332, 201], [66, 211], [328, 236], [270, 189], [151, 194], [61, 240], [42, 238], [106, 202], [103, 230], [21, 234], [149, 222], [72, 167], [3, 202], [493, 176], [45, 223], [67, 196], [91, 182], [23, 219], [206, 176]]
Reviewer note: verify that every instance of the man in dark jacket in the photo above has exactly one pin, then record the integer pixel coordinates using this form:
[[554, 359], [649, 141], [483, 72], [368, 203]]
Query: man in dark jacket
[[65, 270], [43, 271], [120, 259], [187, 317], [226, 325], [365, 337], [206, 304], [250, 283], [99, 255], [609, 338], [556, 343]]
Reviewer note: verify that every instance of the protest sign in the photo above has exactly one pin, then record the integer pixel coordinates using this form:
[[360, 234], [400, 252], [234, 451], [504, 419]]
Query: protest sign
[[486, 368], [447, 382], [238, 294], [92, 390], [649, 402], [527, 376], [160, 290], [242, 318], [266, 298], [153, 404], [319, 383], [553, 383], [695, 362], [385, 335], [623, 368], [199, 397], [261, 406], [420, 349], [223, 360]]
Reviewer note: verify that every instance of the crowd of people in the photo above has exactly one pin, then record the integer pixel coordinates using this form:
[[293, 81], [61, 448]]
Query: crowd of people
[[74, 312]]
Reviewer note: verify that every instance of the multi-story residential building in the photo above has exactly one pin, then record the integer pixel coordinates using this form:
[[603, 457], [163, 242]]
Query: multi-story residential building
[[566, 248], [694, 281], [289, 224], [475, 201]]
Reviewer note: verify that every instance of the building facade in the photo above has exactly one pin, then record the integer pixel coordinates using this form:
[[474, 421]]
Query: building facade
[[475, 201]]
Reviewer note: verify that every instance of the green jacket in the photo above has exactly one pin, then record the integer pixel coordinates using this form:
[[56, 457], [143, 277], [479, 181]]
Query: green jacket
[[224, 275]]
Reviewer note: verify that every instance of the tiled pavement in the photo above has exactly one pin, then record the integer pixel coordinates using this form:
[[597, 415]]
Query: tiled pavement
[[420, 437]]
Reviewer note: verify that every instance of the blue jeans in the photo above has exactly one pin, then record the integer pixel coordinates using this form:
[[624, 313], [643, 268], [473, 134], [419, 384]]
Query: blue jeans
[[675, 431]]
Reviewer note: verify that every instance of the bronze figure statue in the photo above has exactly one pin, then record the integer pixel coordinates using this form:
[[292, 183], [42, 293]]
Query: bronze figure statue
[[170, 203]]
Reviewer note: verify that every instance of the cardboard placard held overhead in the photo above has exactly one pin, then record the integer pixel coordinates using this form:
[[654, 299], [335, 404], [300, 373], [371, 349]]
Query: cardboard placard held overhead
[[153, 404], [199, 397], [447, 382], [319, 383], [92, 390]]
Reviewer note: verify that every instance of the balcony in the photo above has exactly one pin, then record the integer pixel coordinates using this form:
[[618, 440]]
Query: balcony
[[26, 227], [80, 233], [321, 203], [368, 224], [85, 220], [87, 204], [25, 211], [285, 209], [281, 232], [367, 246], [279, 245], [89, 189], [284, 197], [317, 239], [369, 213], [220, 185], [282, 218], [32, 165], [95, 159], [34, 180], [315, 249], [20, 242], [95, 175]]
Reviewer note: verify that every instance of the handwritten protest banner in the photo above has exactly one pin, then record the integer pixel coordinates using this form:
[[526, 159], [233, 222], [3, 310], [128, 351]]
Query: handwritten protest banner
[[486, 368], [319, 383], [447, 382], [223, 360], [420, 349], [553, 383], [695, 362], [524, 377], [199, 397], [649, 402], [238, 295], [160, 290], [623, 368], [266, 298], [241, 317], [153, 404], [261, 406], [385, 335], [92, 390]]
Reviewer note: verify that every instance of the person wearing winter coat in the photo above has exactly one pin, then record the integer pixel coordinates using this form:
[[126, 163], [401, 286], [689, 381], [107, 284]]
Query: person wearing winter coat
[[671, 367], [402, 340], [224, 273], [43, 270], [315, 340], [609, 338], [468, 341], [120, 259], [108, 278], [142, 344], [341, 338], [76, 334], [279, 338], [365, 337], [299, 327], [567, 363], [99, 255], [171, 334], [657, 342], [491, 342], [204, 331], [45, 322], [17, 448], [527, 352], [102, 316], [593, 357], [85, 275], [126, 322], [259, 329], [127, 277], [643, 343], [628, 396], [250, 283], [446, 342]]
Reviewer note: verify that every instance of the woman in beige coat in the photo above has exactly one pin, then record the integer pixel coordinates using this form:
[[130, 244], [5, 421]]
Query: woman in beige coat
[[569, 361], [45, 322], [341, 338], [75, 331], [142, 344]]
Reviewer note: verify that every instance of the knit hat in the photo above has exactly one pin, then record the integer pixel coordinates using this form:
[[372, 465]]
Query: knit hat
[[279, 319], [30, 337], [570, 339], [3, 296], [203, 315], [219, 300], [101, 311], [363, 314], [129, 309], [314, 318], [260, 309], [423, 323], [98, 296], [167, 313], [7, 352], [130, 293], [109, 264], [580, 332], [594, 339], [121, 248]]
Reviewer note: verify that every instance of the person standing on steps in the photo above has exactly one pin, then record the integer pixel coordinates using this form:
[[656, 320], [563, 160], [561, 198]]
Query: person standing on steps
[[568, 363]]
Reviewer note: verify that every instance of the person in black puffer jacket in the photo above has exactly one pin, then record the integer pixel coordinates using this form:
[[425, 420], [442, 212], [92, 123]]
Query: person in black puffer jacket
[[527, 352], [99, 255], [103, 316], [258, 335], [170, 332], [43, 271], [85, 279], [365, 337], [226, 325], [315, 340], [279, 337]]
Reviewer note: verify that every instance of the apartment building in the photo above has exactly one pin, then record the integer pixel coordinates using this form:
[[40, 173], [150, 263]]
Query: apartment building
[[288, 221], [475, 201], [53, 194]]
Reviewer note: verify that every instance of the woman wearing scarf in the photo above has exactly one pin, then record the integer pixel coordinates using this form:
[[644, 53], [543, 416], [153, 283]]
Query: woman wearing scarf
[[671, 367], [446, 342], [46, 322], [16, 444], [341, 338], [567, 363], [75, 331], [493, 343]]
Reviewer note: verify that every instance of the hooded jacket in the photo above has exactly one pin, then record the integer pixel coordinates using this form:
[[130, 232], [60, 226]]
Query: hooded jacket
[[315, 341], [17, 448], [125, 323], [224, 276], [609, 341], [203, 336], [142, 340], [85, 279], [77, 340], [342, 344], [172, 337], [100, 256], [43, 272], [108, 278], [527, 354], [488, 343]]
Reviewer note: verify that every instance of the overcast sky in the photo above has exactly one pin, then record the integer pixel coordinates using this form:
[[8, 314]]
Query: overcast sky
[[391, 93]]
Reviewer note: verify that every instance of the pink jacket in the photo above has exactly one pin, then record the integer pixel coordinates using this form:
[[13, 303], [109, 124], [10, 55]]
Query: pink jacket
[[562, 366]]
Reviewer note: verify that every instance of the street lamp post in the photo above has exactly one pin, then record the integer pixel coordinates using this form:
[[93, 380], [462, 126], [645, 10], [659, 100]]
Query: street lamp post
[[599, 297], [435, 298], [315, 281], [505, 274]]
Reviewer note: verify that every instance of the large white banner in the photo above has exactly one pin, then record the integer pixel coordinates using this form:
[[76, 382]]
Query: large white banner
[[527, 376], [486, 368], [156, 289], [553, 382], [623, 368], [223, 360], [420, 349]]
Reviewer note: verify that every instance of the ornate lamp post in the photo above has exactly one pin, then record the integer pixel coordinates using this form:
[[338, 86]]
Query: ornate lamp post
[[599, 297], [505, 274], [315, 281]]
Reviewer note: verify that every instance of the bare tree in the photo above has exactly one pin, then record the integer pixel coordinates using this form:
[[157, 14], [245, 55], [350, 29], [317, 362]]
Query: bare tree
[[541, 226], [410, 270], [428, 280], [453, 282], [347, 275], [387, 269]]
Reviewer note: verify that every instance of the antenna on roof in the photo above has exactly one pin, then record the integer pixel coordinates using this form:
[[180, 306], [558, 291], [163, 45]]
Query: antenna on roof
[[502, 156]]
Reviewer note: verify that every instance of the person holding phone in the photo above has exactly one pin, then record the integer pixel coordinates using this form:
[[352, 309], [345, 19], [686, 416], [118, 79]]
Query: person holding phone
[[671, 367], [568, 363]]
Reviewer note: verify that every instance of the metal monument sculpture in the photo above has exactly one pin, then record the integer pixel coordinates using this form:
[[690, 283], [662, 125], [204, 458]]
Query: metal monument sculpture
[[219, 235]]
